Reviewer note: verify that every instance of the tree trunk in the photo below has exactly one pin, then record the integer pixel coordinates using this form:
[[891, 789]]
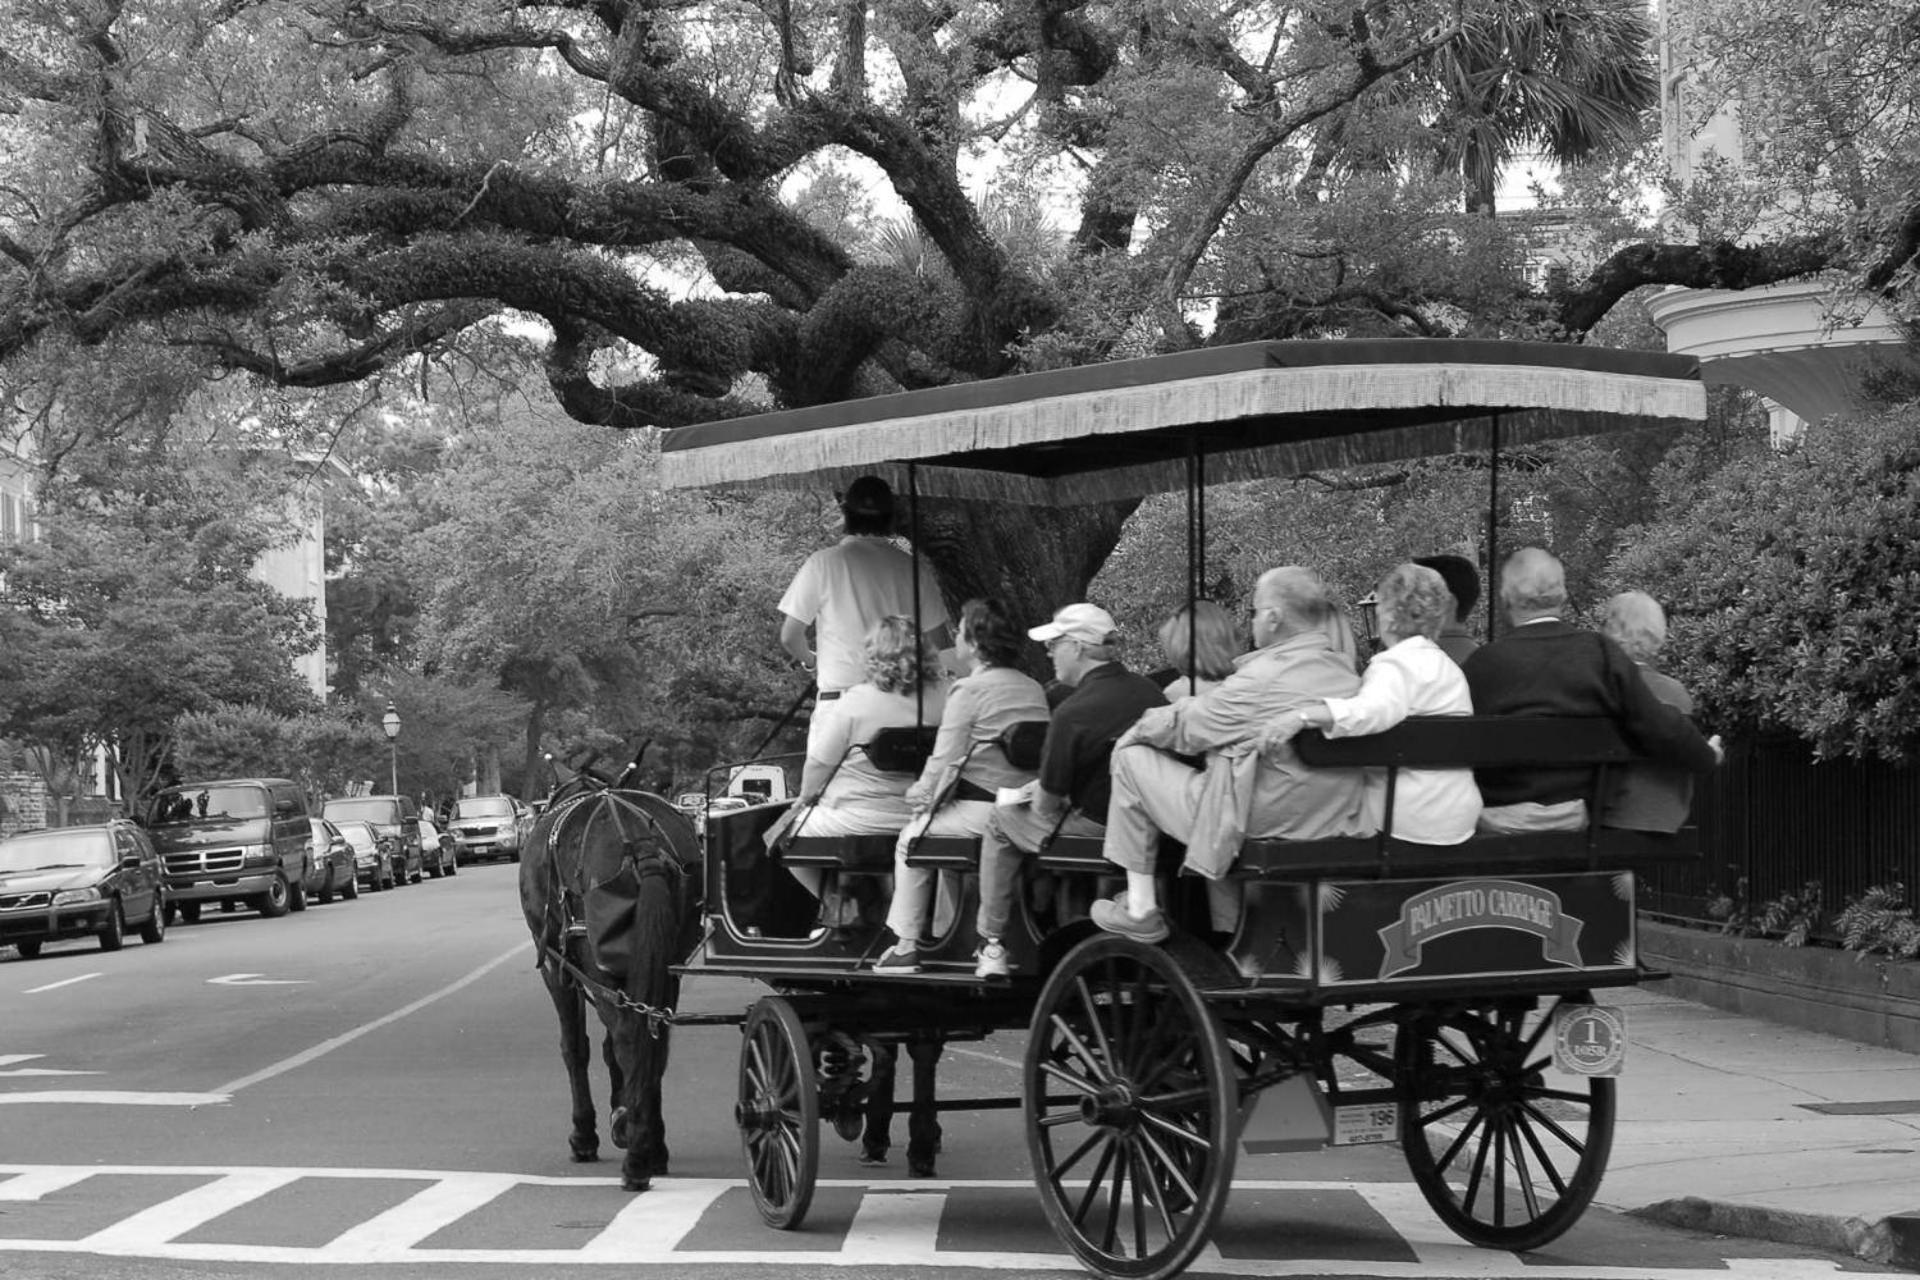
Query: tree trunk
[[531, 776]]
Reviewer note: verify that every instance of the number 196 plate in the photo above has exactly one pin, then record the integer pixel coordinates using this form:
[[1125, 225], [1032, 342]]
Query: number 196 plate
[[1590, 1039], [1375, 1122]]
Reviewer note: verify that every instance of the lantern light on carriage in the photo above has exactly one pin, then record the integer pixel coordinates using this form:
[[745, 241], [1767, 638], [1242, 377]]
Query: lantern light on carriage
[[1369, 609], [390, 725]]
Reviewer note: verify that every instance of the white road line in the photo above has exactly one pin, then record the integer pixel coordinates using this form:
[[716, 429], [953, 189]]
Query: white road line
[[36, 1183], [9, 1059], [394, 1231], [55, 986], [154, 1227], [902, 1228], [114, 1098], [325, 1047], [655, 1222]]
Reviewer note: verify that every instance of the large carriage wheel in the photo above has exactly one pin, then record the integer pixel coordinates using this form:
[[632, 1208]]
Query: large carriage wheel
[[1508, 1152], [778, 1113], [1132, 1110]]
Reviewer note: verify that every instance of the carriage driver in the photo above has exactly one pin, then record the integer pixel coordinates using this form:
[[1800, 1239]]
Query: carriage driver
[[1070, 795], [843, 590], [1295, 662]]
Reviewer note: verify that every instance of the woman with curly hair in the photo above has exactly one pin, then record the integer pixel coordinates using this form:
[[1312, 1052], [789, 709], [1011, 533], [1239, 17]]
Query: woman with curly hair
[[1201, 642], [954, 795], [841, 792], [1411, 676]]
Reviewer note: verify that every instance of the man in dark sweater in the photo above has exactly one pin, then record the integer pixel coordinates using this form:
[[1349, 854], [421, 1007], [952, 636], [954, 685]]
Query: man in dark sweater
[[1543, 667], [1074, 786]]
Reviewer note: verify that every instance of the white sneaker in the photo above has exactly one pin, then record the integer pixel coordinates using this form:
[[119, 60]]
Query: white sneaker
[[992, 957]]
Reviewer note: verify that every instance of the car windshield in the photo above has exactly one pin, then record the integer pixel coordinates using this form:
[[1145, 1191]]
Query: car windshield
[[44, 850], [369, 810], [359, 835], [193, 804], [484, 807]]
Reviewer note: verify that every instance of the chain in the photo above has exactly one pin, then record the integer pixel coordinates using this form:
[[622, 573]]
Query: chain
[[657, 1016]]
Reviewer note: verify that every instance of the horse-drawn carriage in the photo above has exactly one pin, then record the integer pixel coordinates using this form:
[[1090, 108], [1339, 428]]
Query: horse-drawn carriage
[[1375, 989]]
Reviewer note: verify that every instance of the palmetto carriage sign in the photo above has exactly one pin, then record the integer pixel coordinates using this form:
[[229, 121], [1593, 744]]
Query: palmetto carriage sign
[[1480, 904], [1377, 931]]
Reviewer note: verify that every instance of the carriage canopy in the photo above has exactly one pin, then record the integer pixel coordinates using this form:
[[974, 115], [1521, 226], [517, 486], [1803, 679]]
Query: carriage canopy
[[1131, 427]]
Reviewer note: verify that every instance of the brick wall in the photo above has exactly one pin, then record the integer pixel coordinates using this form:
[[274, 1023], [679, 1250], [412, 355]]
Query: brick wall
[[23, 803]]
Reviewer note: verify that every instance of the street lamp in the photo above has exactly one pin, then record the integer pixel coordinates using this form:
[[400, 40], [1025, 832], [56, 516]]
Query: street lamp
[[390, 722], [1369, 609]]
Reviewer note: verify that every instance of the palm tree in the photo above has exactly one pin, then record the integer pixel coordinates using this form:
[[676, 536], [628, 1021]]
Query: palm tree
[[1569, 80]]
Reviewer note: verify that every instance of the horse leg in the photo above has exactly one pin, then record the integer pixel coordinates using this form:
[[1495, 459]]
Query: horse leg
[[657, 1157], [617, 1123], [923, 1121], [571, 1004], [882, 1057]]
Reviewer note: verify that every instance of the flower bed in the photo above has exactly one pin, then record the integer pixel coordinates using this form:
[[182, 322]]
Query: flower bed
[[1870, 999]]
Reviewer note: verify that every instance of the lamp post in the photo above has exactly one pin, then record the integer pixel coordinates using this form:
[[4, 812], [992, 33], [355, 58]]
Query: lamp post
[[390, 722], [1369, 609]]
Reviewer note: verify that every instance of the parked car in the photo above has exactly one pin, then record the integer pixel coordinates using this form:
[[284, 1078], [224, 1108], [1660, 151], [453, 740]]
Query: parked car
[[396, 819], [330, 870], [74, 881], [372, 864], [437, 850], [233, 840], [489, 827]]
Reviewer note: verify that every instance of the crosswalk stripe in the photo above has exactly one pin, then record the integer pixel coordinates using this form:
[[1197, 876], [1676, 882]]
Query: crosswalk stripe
[[154, 1227], [898, 1226], [32, 1184], [438, 1205], [655, 1222]]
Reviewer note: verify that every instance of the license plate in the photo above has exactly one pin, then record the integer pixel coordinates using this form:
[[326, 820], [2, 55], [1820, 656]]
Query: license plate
[[1590, 1039], [1357, 1126]]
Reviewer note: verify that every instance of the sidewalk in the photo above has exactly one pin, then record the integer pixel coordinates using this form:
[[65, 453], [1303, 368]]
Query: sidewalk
[[1715, 1130]]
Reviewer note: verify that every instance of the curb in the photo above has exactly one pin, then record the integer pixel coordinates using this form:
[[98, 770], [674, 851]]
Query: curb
[[1893, 1240]]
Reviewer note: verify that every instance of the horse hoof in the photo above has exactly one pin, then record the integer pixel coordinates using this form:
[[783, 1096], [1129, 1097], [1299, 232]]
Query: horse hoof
[[920, 1169], [586, 1155], [632, 1183], [617, 1125]]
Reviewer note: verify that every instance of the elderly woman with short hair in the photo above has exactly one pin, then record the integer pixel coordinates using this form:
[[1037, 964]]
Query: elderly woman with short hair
[[1410, 677], [1201, 642]]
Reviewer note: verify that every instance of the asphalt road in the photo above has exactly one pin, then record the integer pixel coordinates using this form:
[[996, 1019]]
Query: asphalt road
[[375, 1087]]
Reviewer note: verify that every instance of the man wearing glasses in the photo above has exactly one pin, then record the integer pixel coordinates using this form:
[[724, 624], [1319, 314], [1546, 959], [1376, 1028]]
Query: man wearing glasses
[[1070, 795]]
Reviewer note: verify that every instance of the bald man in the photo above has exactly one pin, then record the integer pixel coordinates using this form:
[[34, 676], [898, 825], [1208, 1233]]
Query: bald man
[[1543, 667], [1295, 662]]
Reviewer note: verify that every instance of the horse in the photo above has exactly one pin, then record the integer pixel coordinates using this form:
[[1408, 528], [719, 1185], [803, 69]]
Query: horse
[[610, 884]]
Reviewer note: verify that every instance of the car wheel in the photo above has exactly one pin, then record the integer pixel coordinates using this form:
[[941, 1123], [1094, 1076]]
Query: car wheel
[[436, 871], [351, 889], [190, 913], [326, 890], [28, 950], [273, 903], [297, 895], [453, 866], [113, 934], [155, 929], [172, 913]]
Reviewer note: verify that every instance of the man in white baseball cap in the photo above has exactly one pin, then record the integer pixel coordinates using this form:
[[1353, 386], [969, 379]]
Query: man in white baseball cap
[[1070, 795]]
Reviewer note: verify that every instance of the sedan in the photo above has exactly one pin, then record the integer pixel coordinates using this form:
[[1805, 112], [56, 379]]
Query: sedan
[[437, 850], [331, 870], [372, 863], [74, 882]]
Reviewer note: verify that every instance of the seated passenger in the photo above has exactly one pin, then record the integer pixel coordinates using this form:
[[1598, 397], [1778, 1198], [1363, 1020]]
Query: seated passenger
[[1463, 582], [841, 792], [1201, 642], [1412, 676], [1543, 667], [1070, 795], [1298, 659], [1647, 797], [953, 798]]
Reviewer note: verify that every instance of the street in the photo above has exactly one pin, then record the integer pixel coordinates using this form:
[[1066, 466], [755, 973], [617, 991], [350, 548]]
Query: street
[[376, 1086]]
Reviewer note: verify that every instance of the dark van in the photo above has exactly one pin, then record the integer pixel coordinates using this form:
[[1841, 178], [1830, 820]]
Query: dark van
[[395, 820], [233, 840]]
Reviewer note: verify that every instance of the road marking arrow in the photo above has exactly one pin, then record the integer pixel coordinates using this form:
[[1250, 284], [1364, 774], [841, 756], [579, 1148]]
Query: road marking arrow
[[254, 980]]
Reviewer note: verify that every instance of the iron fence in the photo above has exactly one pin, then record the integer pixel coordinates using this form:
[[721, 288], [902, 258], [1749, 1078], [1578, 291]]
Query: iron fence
[[1775, 818]]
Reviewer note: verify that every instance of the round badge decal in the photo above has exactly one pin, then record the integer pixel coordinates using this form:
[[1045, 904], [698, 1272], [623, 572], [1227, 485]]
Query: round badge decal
[[1589, 1039]]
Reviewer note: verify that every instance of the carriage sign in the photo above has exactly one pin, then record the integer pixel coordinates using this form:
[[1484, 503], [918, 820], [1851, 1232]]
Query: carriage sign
[[1461, 905]]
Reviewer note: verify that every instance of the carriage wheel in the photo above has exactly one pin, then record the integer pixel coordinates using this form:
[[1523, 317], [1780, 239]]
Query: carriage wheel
[[1132, 1110], [778, 1113], [1508, 1152]]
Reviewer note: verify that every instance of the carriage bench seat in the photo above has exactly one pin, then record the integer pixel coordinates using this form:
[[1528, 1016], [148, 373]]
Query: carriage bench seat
[[842, 853], [1437, 741]]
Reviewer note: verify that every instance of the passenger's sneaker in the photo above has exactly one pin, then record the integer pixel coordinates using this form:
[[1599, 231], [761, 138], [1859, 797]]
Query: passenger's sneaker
[[901, 957], [1115, 918], [992, 958]]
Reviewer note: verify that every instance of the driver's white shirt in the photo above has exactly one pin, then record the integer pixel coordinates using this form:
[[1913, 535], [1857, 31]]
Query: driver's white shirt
[[842, 590]]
